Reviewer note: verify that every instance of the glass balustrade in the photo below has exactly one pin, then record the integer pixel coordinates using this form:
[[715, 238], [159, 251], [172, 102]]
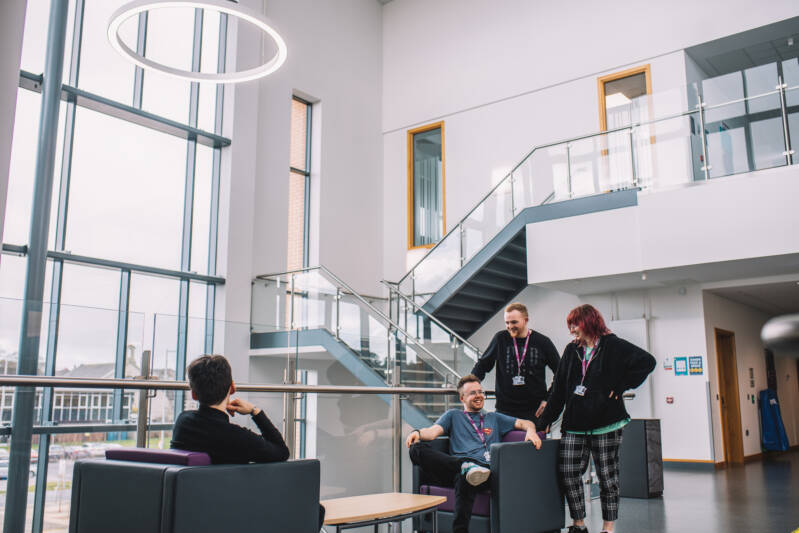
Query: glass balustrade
[[352, 434], [735, 123], [313, 312]]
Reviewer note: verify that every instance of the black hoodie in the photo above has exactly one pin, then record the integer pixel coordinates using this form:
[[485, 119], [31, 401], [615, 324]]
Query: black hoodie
[[617, 366]]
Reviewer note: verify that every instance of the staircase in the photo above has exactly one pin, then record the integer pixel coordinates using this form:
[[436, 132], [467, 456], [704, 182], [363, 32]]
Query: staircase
[[494, 275], [313, 308]]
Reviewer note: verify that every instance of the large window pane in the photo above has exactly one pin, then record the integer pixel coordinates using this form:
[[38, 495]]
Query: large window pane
[[296, 225], [102, 69], [22, 169], [170, 33], [126, 196], [761, 80], [87, 333], [12, 289], [201, 214], [149, 296]]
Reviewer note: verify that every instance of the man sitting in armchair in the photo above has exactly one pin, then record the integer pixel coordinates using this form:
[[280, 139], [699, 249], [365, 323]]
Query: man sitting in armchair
[[471, 433], [209, 428]]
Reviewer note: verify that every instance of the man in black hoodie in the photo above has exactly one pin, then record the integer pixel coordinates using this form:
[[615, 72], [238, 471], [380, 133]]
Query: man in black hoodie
[[521, 356]]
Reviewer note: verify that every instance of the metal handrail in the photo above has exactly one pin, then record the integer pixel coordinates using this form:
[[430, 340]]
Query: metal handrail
[[394, 290], [371, 307], [529, 154], [21, 380]]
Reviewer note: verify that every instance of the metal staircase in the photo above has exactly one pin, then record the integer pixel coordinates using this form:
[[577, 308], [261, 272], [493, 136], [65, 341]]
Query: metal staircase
[[498, 272], [294, 312]]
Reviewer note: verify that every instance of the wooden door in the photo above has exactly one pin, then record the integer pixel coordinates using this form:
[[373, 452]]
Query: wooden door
[[728, 396]]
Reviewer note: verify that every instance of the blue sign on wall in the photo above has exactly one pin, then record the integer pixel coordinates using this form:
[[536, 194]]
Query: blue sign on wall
[[680, 366], [695, 365]]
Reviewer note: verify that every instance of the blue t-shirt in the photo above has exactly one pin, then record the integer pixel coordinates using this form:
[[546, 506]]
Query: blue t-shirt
[[463, 439]]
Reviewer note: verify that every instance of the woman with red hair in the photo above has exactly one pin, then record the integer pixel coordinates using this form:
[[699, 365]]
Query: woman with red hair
[[595, 370]]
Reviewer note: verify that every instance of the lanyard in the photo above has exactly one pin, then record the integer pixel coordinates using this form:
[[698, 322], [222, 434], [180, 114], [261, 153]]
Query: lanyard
[[586, 363], [524, 352], [479, 431]]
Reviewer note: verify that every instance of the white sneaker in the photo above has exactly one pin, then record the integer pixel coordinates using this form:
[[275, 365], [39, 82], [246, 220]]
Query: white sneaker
[[475, 474]]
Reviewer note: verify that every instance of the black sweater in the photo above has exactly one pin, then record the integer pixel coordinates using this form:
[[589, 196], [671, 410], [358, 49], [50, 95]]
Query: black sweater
[[518, 399], [209, 430], [617, 366]]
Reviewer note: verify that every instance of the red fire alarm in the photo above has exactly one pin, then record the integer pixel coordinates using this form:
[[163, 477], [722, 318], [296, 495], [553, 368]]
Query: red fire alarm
[[669, 399]]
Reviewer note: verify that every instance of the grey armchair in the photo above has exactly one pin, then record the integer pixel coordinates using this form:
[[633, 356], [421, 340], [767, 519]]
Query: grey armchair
[[146, 497], [525, 496]]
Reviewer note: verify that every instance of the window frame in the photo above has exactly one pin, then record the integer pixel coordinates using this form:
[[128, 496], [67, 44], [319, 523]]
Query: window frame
[[411, 134], [602, 80]]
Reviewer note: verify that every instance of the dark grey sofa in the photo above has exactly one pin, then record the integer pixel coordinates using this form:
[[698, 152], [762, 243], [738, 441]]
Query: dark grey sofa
[[132, 497]]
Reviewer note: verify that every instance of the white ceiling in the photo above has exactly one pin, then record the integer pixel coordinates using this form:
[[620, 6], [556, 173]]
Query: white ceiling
[[769, 284], [747, 49], [772, 298]]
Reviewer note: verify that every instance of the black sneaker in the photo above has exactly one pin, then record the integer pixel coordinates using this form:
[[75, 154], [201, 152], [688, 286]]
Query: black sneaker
[[577, 529]]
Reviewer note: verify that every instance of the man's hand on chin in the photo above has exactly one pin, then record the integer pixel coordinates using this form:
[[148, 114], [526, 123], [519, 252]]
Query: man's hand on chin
[[237, 405], [533, 437]]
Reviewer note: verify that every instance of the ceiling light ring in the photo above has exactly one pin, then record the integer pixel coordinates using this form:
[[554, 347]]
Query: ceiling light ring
[[223, 6]]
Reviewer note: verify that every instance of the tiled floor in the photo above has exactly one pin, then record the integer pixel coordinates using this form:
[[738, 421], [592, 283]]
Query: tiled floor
[[759, 497]]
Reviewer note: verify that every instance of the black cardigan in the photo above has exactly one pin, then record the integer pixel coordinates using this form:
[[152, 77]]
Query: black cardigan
[[617, 366]]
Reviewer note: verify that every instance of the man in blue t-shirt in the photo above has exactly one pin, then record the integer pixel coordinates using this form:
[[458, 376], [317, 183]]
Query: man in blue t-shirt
[[471, 433]]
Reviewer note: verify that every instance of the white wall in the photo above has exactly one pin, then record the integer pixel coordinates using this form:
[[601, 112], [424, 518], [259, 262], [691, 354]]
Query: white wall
[[746, 322], [12, 17], [738, 217], [334, 57], [451, 55], [676, 328], [506, 78], [483, 144]]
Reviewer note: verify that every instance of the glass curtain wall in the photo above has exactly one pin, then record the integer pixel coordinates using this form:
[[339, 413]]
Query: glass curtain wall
[[132, 231]]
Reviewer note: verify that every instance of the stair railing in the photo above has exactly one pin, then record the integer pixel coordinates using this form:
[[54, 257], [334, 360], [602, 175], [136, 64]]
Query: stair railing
[[292, 318], [456, 341]]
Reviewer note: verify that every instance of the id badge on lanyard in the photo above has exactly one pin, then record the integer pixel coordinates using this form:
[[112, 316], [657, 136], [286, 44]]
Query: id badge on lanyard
[[480, 435], [580, 389], [518, 379]]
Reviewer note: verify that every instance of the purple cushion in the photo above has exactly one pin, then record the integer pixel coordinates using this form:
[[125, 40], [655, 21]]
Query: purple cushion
[[164, 457], [482, 503], [518, 436]]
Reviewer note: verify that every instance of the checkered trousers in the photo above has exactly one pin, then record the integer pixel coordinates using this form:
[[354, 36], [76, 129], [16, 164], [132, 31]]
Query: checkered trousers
[[573, 462]]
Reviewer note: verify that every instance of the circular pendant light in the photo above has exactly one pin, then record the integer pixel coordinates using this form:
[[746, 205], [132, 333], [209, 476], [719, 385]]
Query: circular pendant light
[[223, 6]]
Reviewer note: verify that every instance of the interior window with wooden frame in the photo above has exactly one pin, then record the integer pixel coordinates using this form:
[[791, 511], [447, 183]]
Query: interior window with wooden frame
[[624, 100], [619, 97], [426, 179]]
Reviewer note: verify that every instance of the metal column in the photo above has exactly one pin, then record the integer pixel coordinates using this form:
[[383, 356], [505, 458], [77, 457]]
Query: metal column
[[705, 163], [788, 152], [32, 308], [216, 173], [144, 403], [188, 214]]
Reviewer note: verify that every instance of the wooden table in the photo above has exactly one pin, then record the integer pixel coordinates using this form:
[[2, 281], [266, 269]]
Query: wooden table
[[375, 509]]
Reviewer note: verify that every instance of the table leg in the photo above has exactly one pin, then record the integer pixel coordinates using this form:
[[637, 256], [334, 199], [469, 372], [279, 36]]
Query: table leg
[[435, 520]]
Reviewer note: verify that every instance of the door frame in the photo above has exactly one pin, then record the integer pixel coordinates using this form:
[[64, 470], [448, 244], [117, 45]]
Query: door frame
[[727, 375]]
